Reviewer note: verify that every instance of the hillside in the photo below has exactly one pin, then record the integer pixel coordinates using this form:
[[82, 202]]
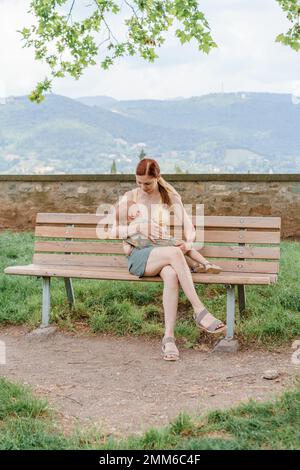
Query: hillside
[[232, 132]]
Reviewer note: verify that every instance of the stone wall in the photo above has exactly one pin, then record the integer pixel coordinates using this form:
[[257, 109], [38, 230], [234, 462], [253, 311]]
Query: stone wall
[[21, 197]]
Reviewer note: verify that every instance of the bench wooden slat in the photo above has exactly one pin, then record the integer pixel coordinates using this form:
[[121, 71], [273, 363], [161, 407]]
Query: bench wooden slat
[[79, 247], [249, 266], [235, 251], [230, 236], [212, 251], [91, 219], [68, 218], [123, 269], [66, 232], [241, 236], [118, 261], [209, 221], [80, 260], [242, 222], [123, 274]]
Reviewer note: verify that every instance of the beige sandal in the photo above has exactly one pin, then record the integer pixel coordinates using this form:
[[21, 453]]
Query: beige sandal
[[206, 268], [216, 326], [172, 353]]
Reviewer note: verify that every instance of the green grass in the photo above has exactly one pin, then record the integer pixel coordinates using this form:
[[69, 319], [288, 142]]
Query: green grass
[[28, 423], [24, 420], [272, 316]]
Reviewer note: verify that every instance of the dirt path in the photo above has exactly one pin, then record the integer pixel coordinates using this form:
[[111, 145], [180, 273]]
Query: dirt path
[[123, 385]]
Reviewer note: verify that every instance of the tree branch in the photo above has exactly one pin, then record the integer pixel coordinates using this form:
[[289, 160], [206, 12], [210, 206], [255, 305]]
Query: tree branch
[[130, 6], [70, 12], [110, 33]]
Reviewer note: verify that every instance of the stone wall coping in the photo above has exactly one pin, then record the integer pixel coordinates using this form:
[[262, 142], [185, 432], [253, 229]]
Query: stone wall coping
[[241, 177]]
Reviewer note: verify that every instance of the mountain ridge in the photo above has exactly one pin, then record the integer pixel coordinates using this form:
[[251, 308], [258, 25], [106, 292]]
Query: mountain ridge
[[218, 132]]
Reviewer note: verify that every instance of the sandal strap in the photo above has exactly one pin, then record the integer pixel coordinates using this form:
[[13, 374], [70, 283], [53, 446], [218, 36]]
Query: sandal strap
[[200, 315], [168, 339], [214, 325], [173, 351]]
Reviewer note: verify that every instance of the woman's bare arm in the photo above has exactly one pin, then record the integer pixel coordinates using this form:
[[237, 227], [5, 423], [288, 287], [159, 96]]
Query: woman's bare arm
[[183, 218]]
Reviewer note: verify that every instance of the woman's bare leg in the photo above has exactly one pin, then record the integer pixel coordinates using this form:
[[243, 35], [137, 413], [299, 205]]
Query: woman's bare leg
[[170, 298], [160, 257], [170, 304], [170, 255]]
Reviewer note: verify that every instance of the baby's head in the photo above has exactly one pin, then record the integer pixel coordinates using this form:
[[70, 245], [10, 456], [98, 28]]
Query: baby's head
[[137, 211], [138, 219]]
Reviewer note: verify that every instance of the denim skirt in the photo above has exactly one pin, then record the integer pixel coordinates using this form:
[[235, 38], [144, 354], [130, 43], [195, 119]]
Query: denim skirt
[[137, 260]]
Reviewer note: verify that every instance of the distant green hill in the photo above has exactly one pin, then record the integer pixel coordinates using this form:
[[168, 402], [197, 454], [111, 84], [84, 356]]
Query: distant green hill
[[232, 132], [101, 101]]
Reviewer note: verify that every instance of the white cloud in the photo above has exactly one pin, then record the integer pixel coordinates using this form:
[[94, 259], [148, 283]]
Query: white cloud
[[247, 57], [18, 69]]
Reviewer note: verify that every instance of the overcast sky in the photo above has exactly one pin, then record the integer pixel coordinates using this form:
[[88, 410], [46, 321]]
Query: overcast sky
[[247, 58]]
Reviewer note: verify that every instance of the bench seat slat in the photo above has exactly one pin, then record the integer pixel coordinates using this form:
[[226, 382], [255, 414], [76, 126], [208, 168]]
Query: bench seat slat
[[121, 261], [122, 268], [122, 273]]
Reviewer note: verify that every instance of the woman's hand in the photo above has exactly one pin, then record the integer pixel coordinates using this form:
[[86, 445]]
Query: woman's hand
[[185, 247]]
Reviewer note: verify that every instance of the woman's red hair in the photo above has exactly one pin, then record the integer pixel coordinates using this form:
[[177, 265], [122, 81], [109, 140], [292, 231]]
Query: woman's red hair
[[150, 167]]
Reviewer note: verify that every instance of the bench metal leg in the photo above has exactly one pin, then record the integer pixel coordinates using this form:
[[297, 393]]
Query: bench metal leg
[[242, 298], [46, 301], [230, 314], [228, 344], [70, 291]]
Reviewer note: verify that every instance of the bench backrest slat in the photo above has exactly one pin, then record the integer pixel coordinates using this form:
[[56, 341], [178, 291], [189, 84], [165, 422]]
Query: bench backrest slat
[[241, 236], [222, 236], [214, 251], [79, 247], [209, 221]]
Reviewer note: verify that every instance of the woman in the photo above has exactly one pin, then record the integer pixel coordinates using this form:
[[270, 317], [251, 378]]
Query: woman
[[170, 262]]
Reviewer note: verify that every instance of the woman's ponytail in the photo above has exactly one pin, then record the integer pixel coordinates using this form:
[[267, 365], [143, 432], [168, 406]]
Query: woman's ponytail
[[166, 189]]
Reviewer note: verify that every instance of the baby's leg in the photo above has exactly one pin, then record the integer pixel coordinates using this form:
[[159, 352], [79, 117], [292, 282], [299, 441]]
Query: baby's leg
[[200, 264], [189, 261], [194, 255]]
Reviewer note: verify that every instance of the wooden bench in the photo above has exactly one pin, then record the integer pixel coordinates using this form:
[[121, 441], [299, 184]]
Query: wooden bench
[[67, 246]]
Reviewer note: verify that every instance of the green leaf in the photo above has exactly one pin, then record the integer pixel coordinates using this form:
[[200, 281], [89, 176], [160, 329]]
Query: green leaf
[[69, 47]]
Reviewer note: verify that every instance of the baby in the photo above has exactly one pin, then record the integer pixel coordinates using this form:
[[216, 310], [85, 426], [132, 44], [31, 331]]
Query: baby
[[139, 240]]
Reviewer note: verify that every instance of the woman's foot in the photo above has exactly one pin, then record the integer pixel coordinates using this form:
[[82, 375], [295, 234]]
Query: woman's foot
[[169, 349], [206, 268], [207, 322]]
